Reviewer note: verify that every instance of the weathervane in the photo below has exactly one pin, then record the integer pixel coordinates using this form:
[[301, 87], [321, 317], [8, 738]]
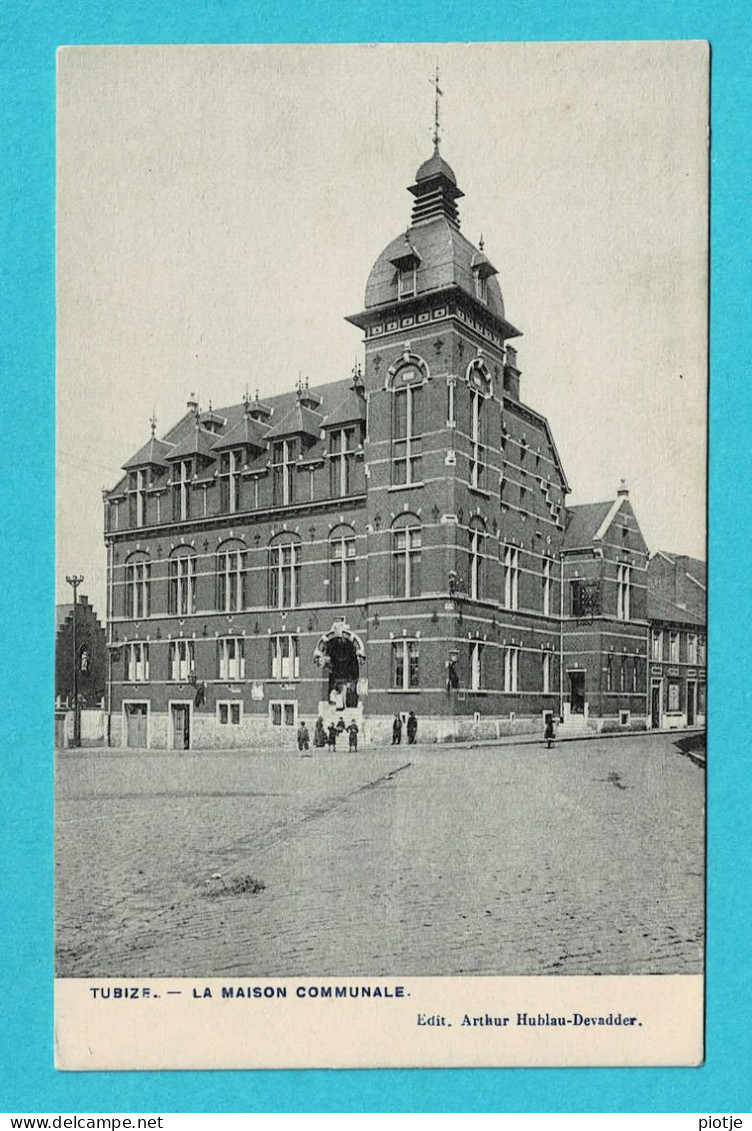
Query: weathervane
[[439, 93]]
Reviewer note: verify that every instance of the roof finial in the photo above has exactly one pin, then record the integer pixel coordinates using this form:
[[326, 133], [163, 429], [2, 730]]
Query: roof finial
[[247, 400], [153, 422], [436, 122], [481, 244], [299, 386]]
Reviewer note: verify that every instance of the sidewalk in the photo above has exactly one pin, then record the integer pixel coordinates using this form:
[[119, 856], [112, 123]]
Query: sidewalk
[[466, 744]]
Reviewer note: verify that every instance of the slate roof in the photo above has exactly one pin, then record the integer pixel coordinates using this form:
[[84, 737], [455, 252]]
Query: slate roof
[[662, 609], [196, 442], [247, 432], [298, 421], [446, 259], [694, 567], [152, 454], [350, 409], [583, 523]]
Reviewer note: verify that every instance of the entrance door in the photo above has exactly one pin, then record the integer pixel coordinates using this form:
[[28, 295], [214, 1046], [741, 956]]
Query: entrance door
[[577, 693], [344, 671], [181, 726], [655, 706], [691, 702], [136, 717]]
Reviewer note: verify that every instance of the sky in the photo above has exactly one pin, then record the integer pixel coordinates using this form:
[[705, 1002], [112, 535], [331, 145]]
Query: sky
[[220, 208]]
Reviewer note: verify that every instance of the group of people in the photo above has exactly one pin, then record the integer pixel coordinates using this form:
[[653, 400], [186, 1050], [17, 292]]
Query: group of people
[[411, 727], [327, 736]]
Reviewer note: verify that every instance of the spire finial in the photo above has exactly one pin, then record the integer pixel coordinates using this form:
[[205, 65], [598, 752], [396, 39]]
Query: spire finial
[[481, 243], [246, 400], [153, 423], [436, 120]]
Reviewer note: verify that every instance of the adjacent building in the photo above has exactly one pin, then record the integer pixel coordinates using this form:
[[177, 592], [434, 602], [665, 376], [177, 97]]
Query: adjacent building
[[677, 604], [391, 542]]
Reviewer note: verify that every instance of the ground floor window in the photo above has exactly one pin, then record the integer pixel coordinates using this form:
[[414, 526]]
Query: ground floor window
[[229, 713], [136, 662], [546, 672], [673, 697], [476, 666], [181, 660], [285, 657], [701, 698], [282, 714], [405, 664], [511, 668]]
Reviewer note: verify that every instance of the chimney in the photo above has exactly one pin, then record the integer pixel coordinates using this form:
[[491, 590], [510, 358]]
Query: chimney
[[192, 403], [511, 374], [623, 491]]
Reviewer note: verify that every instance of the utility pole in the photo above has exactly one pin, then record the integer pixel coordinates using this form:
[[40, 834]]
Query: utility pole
[[75, 581]]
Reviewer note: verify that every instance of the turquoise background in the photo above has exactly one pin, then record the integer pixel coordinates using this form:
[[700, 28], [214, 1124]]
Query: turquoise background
[[29, 36]]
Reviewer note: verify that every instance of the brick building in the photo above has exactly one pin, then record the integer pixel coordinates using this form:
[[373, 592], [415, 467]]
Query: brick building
[[395, 541], [90, 655], [677, 598]]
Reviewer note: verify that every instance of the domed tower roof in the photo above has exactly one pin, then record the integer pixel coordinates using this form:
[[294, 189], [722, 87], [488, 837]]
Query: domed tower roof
[[433, 255]]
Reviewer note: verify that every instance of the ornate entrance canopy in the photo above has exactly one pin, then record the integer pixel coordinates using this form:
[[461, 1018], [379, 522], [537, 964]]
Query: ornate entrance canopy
[[339, 631]]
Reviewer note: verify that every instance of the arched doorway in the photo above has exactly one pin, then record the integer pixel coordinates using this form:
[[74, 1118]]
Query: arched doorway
[[340, 653]]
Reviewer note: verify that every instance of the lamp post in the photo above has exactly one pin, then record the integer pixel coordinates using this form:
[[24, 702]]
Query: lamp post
[[74, 580]]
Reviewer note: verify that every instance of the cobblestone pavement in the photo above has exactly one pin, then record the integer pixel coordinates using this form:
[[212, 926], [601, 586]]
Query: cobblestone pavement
[[587, 858]]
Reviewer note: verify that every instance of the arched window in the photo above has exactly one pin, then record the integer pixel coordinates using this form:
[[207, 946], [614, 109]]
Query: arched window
[[480, 392], [181, 582], [406, 547], [137, 602], [477, 547], [284, 572], [407, 425], [341, 565], [232, 577]]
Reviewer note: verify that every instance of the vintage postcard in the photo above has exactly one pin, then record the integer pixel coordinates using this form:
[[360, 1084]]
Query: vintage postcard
[[381, 638]]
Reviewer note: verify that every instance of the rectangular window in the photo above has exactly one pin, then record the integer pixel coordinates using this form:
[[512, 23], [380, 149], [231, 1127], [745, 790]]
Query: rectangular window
[[476, 665], [181, 661], [406, 279], [232, 581], [285, 657], [673, 647], [231, 658], [657, 644], [181, 489], [406, 435], [477, 548], [341, 570], [634, 674], [700, 649], [511, 669], [406, 550], [137, 589], [673, 697], [511, 576], [282, 713], [230, 464], [405, 664], [342, 444], [701, 695], [548, 586], [691, 648], [229, 712], [609, 673], [478, 450], [546, 672], [450, 402], [138, 484], [284, 575], [136, 663], [623, 596], [283, 465], [181, 591]]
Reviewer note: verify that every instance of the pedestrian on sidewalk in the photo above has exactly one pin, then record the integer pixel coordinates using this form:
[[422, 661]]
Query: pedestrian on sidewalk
[[412, 727], [352, 731], [304, 737], [332, 736], [397, 731], [319, 734], [549, 733]]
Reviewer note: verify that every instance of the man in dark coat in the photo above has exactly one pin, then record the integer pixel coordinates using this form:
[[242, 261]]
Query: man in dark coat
[[303, 737], [352, 731], [412, 727], [397, 731]]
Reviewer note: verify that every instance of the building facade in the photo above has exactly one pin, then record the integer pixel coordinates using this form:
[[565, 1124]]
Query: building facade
[[398, 541], [677, 599]]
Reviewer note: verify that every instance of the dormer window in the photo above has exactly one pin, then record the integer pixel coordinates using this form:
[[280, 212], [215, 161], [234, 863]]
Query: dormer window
[[406, 279], [481, 286]]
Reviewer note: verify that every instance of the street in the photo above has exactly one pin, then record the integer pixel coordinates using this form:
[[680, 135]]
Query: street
[[418, 860]]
